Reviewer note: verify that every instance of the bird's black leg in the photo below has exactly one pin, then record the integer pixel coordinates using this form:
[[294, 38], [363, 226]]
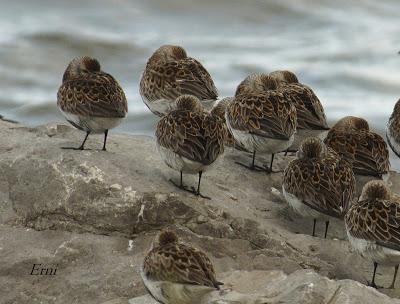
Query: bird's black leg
[[313, 230], [197, 192], [372, 284], [252, 166], [396, 268], [289, 150], [82, 146], [105, 140], [181, 185], [326, 228], [269, 170]]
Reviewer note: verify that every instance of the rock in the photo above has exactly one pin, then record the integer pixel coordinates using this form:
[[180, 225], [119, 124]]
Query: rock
[[95, 215], [274, 287]]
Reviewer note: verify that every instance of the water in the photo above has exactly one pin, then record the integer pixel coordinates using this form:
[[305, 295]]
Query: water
[[345, 50]]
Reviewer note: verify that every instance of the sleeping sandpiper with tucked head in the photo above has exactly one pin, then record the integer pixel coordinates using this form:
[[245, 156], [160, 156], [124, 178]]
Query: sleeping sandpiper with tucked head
[[373, 227], [367, 151], [262, 121], [90, 99], [190, 140], [311, 119], [393, 129], [170, 73], [219, 110], [177, 273], [318, 184]]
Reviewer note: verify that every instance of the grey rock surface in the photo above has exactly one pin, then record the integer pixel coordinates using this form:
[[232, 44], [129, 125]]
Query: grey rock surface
[[275, 287], [94, 214]]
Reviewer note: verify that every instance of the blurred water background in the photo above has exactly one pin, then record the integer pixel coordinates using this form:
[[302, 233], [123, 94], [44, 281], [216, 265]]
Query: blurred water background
[[346, 50]]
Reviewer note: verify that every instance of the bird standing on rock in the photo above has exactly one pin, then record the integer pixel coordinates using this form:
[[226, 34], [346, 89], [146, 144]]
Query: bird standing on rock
[[311, 119], [373, 227], [260, 119], [190, 140], [90, 99], [318, 184], [170, 73], [367, 151]]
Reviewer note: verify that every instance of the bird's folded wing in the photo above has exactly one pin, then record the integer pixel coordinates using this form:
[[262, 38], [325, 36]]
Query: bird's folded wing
[[91, 97]]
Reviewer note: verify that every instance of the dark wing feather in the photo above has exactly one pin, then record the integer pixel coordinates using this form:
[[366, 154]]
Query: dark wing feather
[[319, 183], [169, 80], [264, 114], [97, 95], [375, 220], [181, 132], [215, 134], [180, 263], [366, 151], [310, 113]]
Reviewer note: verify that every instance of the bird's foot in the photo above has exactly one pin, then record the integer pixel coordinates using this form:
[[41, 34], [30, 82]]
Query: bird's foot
[[373, 285], [197, 193], [74, 148], [270, 171], [251, 167], [180, 186]]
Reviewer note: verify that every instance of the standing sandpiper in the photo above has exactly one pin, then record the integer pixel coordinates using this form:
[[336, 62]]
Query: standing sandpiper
[[260, 119], [90, 99], [170, 73], [373, 227], [367, 151], [318, 184], [311, 119], [190, 140]]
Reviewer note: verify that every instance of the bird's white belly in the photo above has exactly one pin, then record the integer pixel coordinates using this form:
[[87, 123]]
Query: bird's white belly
[[302, 209], [175, 293], [302, 134], [163, 106], [252, 142], [374, 252], [208, 104], [180, 163], [394, 144], [160, 106], [93, 124]]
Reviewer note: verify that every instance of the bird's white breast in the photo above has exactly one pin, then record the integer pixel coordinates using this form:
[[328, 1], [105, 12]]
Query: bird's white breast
[[302, 209], [93, 124], [371, 250], [252, 142], [180, 163]]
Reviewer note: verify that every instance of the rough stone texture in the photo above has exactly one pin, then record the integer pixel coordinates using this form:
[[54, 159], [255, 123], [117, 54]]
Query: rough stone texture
[[95, 214], [275, 287]]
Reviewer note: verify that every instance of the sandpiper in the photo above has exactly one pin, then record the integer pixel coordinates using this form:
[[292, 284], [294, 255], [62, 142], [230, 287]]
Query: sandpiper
[[311, 119], [177, 273], [219, 110], [261, 120], [373, 227], [170, 73], [189, 139], [318, 184], [367, 151], [90, 99], [393, 130]]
